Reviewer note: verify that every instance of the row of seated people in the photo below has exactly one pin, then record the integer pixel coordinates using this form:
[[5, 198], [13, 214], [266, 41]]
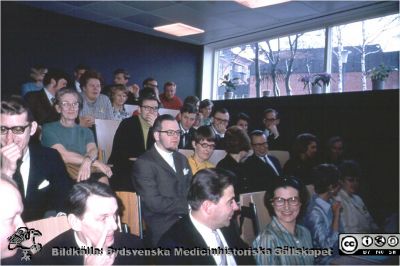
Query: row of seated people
[[161, 175]]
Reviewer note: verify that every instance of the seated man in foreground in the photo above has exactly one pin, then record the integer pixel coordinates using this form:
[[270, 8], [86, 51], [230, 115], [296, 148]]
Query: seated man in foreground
[[92, 214], [212, 201]]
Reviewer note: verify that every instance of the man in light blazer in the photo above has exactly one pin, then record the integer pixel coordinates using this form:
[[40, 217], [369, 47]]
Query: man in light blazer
[[38, 171], [162, 177]]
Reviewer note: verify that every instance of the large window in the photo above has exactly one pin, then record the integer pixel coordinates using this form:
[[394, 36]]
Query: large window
[[339, 58]]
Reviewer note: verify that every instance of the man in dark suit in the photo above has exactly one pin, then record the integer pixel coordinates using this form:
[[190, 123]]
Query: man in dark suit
[[260, 168], [92, 211], [188, 117], [42, 102], [132, 138], [208, 226], [39, 172], [161, 177], [219, 124], [271, 120]]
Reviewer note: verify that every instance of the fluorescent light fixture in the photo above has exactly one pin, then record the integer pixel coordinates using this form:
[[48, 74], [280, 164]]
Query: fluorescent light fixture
[[179, 29], [260, 3]]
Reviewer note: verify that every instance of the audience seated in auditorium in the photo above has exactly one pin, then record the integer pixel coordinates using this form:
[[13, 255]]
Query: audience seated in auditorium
[[39, 171], [95, 105], [242, 120], [303, 158], [75, 143], [10, 220], [261, 169], [205, 109], [121, 77], [237, 148], [150, 87], [204, 145], [355, 216], [41, 103], [188, 116], [36, 84], [168, 98], [286, 201], [79, 70], [92, 214], [334, 152], [133, 137], [323, 213], [162, 177], [208, 226], [219, 123], [118, 96]]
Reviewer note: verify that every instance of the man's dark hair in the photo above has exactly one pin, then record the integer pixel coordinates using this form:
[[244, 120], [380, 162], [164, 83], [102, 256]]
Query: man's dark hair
[[242, 116], [350, 168], [81, 66], [284, 182], [55, 74], [122, 71], [256, 133], [204, 133], [205, 103], [270, 110], [236, 140], [68, 90], [208, 184], [301, 143], [192, 99], [147, 80], [188, 108], [90, 74], [169, 83], [157, 123], [219, 110], [81, 191], [148, 97], [16, 105], [325, 175]]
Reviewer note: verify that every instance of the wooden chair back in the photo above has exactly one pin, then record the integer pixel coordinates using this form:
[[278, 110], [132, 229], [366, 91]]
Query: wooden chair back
[[282, 156], [105, 131], [132, 212]]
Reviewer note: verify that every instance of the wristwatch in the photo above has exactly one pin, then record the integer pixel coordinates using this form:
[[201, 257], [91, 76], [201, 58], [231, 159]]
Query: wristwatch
[[92, 160]]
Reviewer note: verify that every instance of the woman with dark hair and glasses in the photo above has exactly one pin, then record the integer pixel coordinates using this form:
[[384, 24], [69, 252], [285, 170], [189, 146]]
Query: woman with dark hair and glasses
[[285, 203], [204, 145], [75, 143]]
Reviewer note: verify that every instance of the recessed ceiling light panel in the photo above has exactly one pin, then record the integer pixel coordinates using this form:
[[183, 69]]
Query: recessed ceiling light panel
[[260, 3], [179, 29]]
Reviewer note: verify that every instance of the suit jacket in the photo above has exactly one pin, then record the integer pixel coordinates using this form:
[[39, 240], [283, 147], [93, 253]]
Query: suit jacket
[[219, 141], [163, 191], [259, 174], [42, 110], [189, 139], [184, 234], [45, 164], [128, 142], [67, 240]]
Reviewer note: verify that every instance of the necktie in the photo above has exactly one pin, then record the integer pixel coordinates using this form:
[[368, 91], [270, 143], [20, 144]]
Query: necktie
[[268, 162], [184, 139], [18, 178], [221, 245], [53, 100]]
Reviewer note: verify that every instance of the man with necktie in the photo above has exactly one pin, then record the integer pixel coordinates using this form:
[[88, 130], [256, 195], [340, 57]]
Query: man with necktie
[[208, 226], [188, 117], [38, 171]]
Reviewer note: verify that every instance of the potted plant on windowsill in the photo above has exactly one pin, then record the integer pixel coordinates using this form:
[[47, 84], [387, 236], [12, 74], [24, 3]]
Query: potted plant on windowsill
[[230, 86], [316, 83], [378, 76]]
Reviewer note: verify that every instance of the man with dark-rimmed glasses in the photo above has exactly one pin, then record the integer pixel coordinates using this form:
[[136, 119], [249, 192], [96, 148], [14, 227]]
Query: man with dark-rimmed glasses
[[132, 138], [219, 124], [162, 177], [38, 171]]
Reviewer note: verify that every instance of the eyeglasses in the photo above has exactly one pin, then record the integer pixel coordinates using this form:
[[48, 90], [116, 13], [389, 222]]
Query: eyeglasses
[[149, 108], [69, 105], [221, 120], [205, 145], [259, 144], [171, 132], [279, 202], [271, 119], [18, 130]]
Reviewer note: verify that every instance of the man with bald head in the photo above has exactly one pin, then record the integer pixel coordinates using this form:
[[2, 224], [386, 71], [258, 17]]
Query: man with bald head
[[10, 219]]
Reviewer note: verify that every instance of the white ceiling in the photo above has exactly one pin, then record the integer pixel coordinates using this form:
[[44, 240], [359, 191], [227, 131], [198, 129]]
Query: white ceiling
[[221, 20]]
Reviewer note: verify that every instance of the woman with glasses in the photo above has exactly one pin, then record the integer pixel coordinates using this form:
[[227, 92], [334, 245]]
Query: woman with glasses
[[323, 213], [204, 145], [75, 143], [285, 203]]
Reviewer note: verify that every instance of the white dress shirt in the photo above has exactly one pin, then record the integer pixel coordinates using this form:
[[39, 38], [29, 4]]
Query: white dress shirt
[[25, 167], [167, 156], [211, 241]]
